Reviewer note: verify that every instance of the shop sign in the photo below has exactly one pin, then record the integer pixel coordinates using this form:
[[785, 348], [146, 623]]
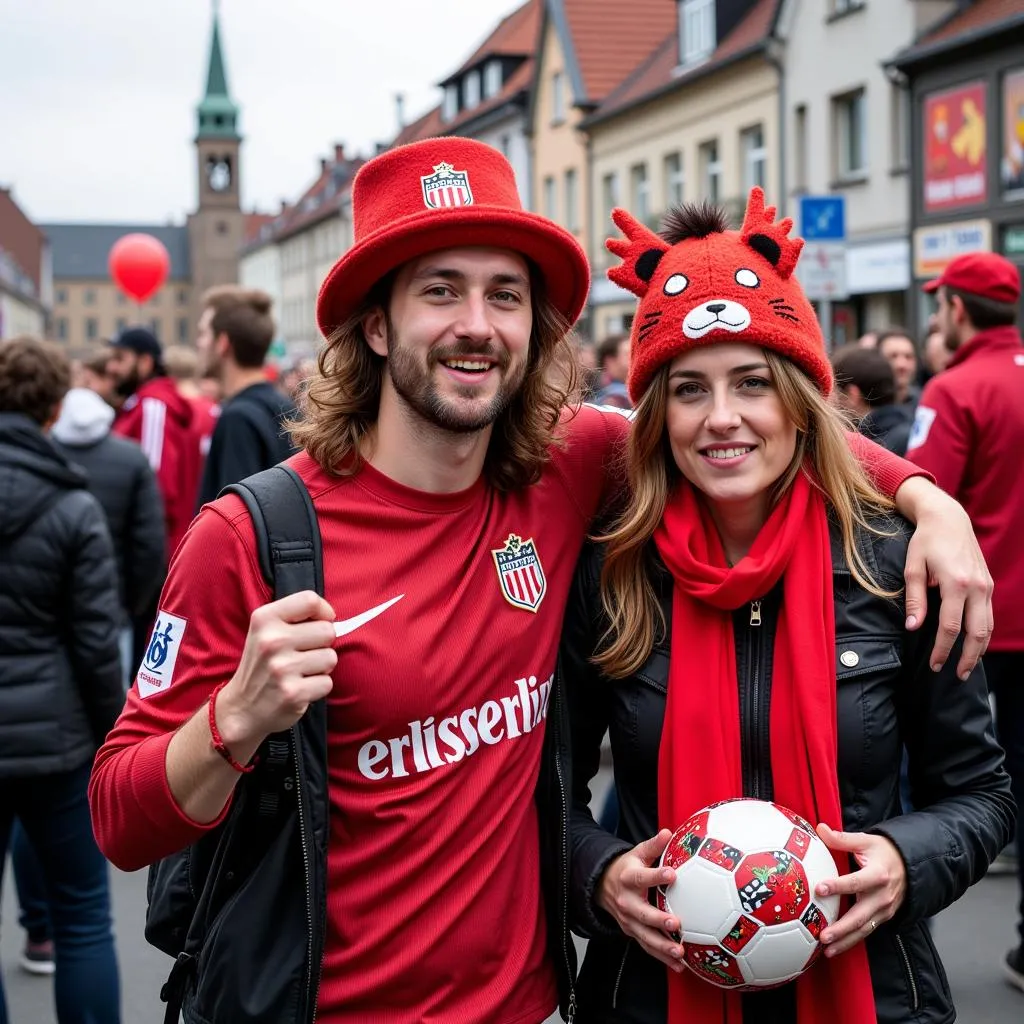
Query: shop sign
[[936, 245]]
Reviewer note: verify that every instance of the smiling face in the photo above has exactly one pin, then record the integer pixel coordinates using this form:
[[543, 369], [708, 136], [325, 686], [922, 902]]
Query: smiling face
[[728, 430], [456, 335]]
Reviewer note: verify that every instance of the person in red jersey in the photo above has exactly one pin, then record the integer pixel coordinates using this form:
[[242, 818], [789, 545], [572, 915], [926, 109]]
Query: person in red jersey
[[454, 484], [160, 419], [968, 433]]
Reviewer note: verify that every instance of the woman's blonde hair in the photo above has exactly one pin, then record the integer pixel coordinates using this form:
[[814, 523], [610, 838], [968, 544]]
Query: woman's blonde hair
[[341, 403], [627, 594]]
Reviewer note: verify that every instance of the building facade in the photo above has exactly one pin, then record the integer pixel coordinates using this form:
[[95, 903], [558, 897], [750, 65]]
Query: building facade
[[698, 120], [847, 132], [966, 80], [25, 272]]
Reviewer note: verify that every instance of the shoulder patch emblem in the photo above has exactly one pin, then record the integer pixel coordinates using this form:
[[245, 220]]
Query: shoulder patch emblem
[[520, 573], [156, 672], [923, 420]]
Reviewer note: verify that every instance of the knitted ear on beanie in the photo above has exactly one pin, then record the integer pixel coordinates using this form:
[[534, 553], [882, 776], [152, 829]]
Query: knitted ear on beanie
[[714, 286]]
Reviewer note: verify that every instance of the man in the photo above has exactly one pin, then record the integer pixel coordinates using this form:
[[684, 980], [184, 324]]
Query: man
[[94, 374], [969, 433], [160, 419], [453, 492], [60, 675], [898, 347], [866, 388], [234, 336], [869, 339], [935, 355], [613, 363], [182, 365]]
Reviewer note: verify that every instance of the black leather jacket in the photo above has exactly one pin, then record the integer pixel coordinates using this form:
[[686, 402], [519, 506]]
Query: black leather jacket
[[887, 698]]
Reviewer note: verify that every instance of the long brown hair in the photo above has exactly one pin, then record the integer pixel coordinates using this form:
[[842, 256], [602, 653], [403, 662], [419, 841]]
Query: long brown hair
[[627, 594], [342, 401]]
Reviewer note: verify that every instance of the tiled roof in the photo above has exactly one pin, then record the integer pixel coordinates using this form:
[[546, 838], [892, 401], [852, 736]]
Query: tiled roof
[[80, 251], [254, 223], [322, 198], [610, 38], [658, 73], [972, 22], [515, 36]]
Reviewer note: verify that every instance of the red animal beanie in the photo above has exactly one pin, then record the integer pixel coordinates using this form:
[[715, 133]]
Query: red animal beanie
[[714, 285]]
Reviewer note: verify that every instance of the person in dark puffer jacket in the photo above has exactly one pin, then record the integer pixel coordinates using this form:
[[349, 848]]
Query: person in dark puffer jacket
[[60, 673]]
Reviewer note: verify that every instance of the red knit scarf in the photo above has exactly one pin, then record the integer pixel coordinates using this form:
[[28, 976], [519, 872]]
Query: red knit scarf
[[700, 760]]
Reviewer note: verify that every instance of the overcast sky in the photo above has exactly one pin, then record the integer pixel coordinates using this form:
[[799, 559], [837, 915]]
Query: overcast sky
[[97, 97]]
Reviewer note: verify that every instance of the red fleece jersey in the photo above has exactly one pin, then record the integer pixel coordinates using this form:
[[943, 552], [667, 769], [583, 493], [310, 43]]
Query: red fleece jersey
[[969, 433], [452, 605]]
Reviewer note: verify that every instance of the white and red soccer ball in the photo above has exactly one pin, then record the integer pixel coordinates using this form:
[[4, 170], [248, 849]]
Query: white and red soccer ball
[[746, 872]]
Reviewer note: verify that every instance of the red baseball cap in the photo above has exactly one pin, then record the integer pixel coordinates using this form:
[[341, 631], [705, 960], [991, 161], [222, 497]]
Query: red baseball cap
[[438, 194], [980, 273]]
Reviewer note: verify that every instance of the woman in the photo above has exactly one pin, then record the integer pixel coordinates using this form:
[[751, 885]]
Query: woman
[[60, 674], [740, 624]]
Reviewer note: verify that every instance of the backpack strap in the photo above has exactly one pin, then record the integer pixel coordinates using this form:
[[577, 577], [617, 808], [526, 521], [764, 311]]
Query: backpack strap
[[287, 532]]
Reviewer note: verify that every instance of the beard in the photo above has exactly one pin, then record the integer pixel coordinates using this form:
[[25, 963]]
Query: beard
[[417, 387], [126, 386]]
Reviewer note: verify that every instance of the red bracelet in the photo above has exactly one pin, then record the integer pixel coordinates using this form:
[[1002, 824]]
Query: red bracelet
[[217, 740]]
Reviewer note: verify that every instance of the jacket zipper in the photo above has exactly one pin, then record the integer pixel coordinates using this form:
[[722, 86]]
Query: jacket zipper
[[910, 973], [564, 854], [753, 729], [311, 988], [618, 980]]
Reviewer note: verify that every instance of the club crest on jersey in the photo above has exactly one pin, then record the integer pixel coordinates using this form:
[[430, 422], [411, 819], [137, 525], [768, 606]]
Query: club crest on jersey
[[446, 187], [520, 573]]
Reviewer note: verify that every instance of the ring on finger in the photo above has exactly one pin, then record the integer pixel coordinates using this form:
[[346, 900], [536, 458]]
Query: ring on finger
[[872, 925]]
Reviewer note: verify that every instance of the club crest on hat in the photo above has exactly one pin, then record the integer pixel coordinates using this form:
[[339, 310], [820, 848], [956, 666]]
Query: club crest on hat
[[446, 187], [520, 573]]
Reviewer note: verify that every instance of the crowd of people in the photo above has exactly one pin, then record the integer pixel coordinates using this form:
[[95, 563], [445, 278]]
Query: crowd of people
[[746, 596]]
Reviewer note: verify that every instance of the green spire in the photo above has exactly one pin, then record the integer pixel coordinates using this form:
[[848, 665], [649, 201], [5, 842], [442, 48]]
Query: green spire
[[218, 115]]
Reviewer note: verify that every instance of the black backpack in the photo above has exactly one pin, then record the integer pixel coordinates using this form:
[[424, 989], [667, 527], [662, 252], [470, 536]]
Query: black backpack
[[187, 890]]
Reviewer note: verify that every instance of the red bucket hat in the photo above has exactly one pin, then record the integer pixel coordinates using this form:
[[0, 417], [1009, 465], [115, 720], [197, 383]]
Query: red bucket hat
[[716, 286], [438, 194]]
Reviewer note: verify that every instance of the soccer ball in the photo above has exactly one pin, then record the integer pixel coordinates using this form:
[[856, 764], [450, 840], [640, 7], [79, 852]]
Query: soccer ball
[[746, 871]]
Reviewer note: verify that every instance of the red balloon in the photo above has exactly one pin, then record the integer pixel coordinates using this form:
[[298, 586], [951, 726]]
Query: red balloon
[[139, 264]]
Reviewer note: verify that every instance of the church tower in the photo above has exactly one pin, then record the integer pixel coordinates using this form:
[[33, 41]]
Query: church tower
[[215, 230]]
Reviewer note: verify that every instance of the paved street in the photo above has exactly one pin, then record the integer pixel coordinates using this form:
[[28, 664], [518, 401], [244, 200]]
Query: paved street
[[971, 936]]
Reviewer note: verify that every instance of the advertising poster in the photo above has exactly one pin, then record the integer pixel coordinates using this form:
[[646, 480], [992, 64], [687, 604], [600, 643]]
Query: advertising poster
[[1012, 166], [955, 161]]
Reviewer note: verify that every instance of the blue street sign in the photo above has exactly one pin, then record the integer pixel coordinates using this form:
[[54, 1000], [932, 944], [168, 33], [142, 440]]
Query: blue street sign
[[823, 218]]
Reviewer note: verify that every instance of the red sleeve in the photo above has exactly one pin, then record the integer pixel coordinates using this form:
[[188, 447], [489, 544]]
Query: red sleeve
[[940, 440], [213, 586], [886, 471], [591, 465]]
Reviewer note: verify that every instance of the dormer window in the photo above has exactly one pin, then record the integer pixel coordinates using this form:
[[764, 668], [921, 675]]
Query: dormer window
[[696, 30], [450, 105], [492, 78], [471, 90]]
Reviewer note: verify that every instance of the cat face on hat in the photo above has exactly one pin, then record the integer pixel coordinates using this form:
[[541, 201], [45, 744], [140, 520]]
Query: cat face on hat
[[716, 285]]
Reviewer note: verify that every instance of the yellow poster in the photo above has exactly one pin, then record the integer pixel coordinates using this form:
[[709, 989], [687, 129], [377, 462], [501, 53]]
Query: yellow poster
[[1012, 164]]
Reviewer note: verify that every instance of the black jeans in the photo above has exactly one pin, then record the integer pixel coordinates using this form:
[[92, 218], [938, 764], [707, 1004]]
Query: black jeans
[[1005, 671], [54, 812]]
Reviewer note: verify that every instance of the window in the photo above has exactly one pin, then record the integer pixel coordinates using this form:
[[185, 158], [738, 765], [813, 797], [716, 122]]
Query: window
[[800, 169], [550, 200], [121, 299], [62, 328], [710, 171], [60, 296], [505, 145], [849, 134], [900, 115], [754, 157], [609, 200], [121, 325], [89, 298], [182, 297], [91, 328], [696, 30], [572, 219], [154, 326], [492, 78], [155, 299], [450, 104], [673, 180], [182, 328], [845, 6], [557, 98], [471, 90], [640, 192]]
